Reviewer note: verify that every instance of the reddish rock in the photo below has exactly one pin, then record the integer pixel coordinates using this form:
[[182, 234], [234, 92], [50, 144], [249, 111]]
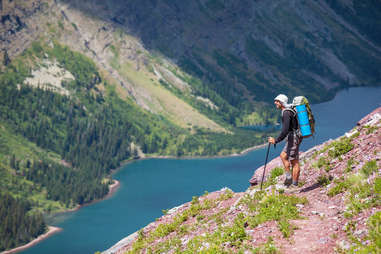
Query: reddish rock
[[323, 227]]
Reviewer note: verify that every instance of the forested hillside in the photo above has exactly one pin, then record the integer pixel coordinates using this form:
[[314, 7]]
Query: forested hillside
[[18, 226], [58, 148]]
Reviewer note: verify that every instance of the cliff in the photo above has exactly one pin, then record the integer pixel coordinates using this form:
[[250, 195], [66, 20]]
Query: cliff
[[248, 50], [336, 209]]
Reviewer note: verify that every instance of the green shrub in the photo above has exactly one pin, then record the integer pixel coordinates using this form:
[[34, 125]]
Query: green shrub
[[369, 168], [377, 185], [226, 195], [267, 248], [340, 147], [273, 175], [350, 163], [278, 207], [200, 217], [361, 195], [195, 200], [323, 180], [165, 229], [340, 187], [278, 171], [236, 233], [370, 129], [373, 238], [323, 163], [374, 225], [183, 229], [301, 183]]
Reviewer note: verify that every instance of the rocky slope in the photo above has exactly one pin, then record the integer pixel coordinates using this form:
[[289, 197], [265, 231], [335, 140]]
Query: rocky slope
[[252, 49], [122, 58], [336, 209]]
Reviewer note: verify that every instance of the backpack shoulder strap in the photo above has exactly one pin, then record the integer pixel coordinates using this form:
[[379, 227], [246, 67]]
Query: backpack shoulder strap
[[290, 109], [294, 116]]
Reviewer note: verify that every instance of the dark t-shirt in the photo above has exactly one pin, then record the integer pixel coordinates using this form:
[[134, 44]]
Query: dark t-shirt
[[289, 123]]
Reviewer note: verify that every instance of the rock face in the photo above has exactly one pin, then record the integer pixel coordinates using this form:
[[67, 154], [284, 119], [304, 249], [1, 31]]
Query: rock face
[[19, 24], [245, 51], [122, 59], [338, 206], [256, 48]]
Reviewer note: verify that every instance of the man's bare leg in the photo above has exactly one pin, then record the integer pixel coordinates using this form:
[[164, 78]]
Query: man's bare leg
[[286, 164], [295, 171]]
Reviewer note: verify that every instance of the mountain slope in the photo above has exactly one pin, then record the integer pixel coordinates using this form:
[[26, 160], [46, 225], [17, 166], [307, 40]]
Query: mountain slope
[[336, 209], [123, 59], [254, 49], [66, 124], [240, 54]]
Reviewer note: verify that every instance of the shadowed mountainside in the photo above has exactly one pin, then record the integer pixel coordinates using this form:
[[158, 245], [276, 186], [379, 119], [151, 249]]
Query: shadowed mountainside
[[254, 49]]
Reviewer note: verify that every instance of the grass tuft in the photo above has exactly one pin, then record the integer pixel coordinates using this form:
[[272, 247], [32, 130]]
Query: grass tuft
[[323, 163], [278, 207], [323, 180], [278, 171], [340, 147], [361, 195], [369, 168]]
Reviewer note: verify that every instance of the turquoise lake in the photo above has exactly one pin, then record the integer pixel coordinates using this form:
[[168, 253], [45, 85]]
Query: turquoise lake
[[149, 186]]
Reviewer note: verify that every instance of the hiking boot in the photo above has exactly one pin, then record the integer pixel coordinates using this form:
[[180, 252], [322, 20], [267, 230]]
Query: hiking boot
[[292, 189], [287, 182]]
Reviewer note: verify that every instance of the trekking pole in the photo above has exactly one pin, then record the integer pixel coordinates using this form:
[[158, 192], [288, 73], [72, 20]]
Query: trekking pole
[[264, 169]]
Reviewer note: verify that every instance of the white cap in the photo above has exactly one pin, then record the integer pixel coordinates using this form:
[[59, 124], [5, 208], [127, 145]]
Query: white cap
[[282, 99]]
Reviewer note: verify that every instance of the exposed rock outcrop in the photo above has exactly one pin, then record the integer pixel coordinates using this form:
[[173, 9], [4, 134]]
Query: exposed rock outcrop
[[122, 58]]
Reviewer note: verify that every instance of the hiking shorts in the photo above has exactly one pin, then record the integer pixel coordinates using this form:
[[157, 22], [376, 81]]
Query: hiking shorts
[[292, 146]]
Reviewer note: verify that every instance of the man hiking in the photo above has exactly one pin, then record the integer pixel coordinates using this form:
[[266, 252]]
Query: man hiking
[[290, 152]]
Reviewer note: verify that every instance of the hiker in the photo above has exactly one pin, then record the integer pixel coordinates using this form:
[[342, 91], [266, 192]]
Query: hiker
[[290, 152]]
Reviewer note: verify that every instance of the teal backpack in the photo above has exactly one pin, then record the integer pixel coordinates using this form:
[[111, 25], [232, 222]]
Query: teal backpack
[[304, 116]]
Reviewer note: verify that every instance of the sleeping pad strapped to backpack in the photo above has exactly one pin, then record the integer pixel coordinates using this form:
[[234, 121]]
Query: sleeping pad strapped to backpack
[[306, 121]]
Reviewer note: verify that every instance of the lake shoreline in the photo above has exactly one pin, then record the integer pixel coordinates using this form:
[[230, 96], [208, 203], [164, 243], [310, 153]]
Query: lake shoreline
[[51, 231], [149, 156], [115, 186], [112, 189]]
